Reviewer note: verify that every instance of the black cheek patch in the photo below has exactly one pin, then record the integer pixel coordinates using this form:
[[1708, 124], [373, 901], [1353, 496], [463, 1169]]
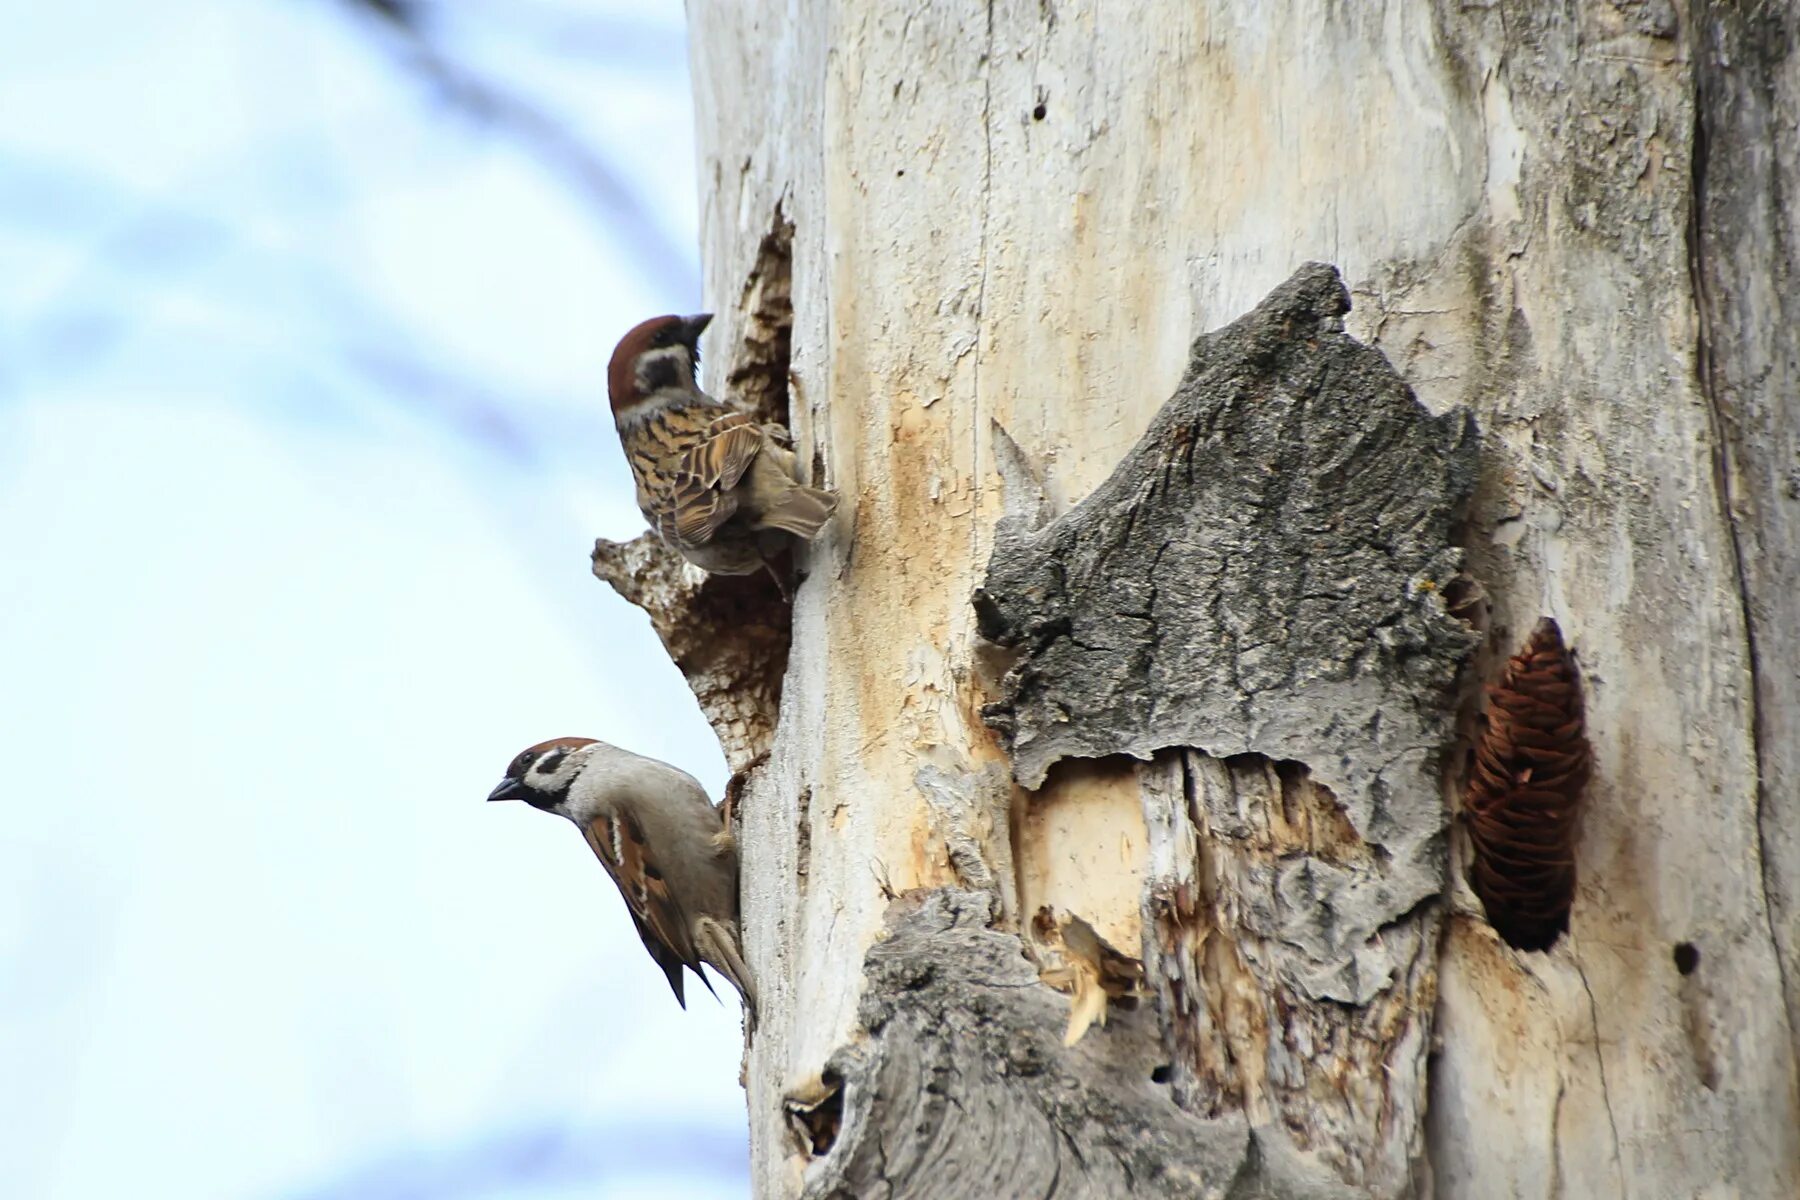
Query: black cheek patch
[[548, 764], [659, 373]]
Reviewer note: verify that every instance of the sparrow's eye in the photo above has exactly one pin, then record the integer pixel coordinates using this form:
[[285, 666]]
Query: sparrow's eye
[[664, 337]]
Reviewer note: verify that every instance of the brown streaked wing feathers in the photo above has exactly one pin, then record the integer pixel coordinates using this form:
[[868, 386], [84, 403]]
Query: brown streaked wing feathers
[[731, 443], [619, 843], [701, 499], [667, 959]]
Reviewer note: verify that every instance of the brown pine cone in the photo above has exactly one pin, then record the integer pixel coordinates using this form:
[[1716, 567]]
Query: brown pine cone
[[1524, 795]]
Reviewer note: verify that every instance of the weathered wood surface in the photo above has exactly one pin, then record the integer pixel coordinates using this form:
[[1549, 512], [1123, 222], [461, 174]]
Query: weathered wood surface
[[1745, 246], [1575, 220], [960, 1085]]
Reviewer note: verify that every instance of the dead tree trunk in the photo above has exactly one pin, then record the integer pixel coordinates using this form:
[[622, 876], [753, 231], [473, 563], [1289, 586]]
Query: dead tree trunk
[[1145, 664]]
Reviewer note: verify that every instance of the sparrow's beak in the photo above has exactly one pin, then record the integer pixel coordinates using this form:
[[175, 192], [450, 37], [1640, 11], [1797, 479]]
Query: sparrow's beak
[[694, 326], [509, 789]]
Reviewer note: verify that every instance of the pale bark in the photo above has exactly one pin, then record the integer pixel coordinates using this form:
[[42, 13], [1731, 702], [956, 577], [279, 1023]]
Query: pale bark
[[1001, 228]]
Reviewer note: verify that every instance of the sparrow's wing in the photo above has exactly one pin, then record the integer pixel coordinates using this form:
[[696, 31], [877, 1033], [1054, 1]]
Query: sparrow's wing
[[667, 959], [700, 498], [731, 443], [619, 843]]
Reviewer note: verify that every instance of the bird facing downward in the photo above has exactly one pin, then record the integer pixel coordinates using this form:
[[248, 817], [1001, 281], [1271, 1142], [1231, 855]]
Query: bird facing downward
[[714, 483], [661, 840]]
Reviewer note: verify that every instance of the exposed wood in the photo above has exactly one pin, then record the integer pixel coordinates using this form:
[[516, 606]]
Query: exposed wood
[[1745, 248], [729, 636], [1576, 221]]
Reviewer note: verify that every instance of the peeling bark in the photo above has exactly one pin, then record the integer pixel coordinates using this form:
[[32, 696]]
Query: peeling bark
[[1263, 579], [960, 1086], [1260, 881], [1264, 571]]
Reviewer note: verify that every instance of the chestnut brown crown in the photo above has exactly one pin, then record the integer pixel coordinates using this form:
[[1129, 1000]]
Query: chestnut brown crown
[[663, 352]]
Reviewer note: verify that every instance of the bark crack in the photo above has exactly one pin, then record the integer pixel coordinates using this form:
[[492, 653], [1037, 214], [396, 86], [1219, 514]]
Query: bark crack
[[987, 195], [1724, 475], [1556, 1148], [1605, 1091]]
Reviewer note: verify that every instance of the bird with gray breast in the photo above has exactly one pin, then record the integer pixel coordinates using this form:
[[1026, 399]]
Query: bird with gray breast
[[662, 841]]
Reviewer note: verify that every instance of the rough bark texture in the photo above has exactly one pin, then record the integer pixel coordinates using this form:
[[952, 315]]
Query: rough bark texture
[[1575, 220], [728, 635], [1263, 579], [1274, 550], [961, 1086]]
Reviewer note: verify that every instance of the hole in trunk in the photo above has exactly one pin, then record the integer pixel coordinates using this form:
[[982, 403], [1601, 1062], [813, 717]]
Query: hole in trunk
[[759, 367], [816, 1119], [729, 634]]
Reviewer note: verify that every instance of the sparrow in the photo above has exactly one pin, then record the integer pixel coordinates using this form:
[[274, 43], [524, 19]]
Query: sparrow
[[661, 840], [716, 484]]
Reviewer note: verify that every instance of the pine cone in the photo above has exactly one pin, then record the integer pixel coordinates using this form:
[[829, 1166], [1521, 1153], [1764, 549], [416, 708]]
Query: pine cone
[[1524, 795]]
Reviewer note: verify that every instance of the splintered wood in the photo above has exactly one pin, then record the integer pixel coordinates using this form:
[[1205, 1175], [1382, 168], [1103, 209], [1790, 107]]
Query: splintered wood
[[728, 634], [1238, 942]]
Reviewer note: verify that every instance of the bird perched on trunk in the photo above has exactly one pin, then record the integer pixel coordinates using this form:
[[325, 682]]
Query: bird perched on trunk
[[713, 481], [660, 839]]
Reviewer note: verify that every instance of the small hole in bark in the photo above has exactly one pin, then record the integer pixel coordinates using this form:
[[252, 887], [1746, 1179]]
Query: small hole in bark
[[1162, 1074], [1467, 601], [1040, 112], [816, 1120], [1687, 957]]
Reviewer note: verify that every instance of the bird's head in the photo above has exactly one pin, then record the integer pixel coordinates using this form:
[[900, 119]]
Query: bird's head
[[542, 774], [659, 355]]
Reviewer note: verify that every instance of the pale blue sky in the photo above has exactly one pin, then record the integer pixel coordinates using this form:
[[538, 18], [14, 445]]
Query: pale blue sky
[[302, 448]]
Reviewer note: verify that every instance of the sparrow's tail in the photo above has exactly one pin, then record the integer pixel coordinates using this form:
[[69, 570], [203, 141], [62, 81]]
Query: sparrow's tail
[[801, 511], [718, 945]]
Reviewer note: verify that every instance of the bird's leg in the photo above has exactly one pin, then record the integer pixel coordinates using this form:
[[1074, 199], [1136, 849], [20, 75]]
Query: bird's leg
[[780, 583]]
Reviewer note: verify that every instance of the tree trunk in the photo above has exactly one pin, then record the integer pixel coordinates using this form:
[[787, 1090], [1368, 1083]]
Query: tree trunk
[[1141, 664]]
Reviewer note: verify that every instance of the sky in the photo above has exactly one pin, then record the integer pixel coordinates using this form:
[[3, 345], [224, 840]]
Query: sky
[[302, 451]]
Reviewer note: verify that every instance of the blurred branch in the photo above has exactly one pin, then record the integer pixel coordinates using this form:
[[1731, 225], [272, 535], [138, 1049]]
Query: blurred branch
[[405, 24], [146, 254]]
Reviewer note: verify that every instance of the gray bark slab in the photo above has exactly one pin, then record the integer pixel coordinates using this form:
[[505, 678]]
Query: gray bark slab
[[1262, 580], [958, 1084]]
